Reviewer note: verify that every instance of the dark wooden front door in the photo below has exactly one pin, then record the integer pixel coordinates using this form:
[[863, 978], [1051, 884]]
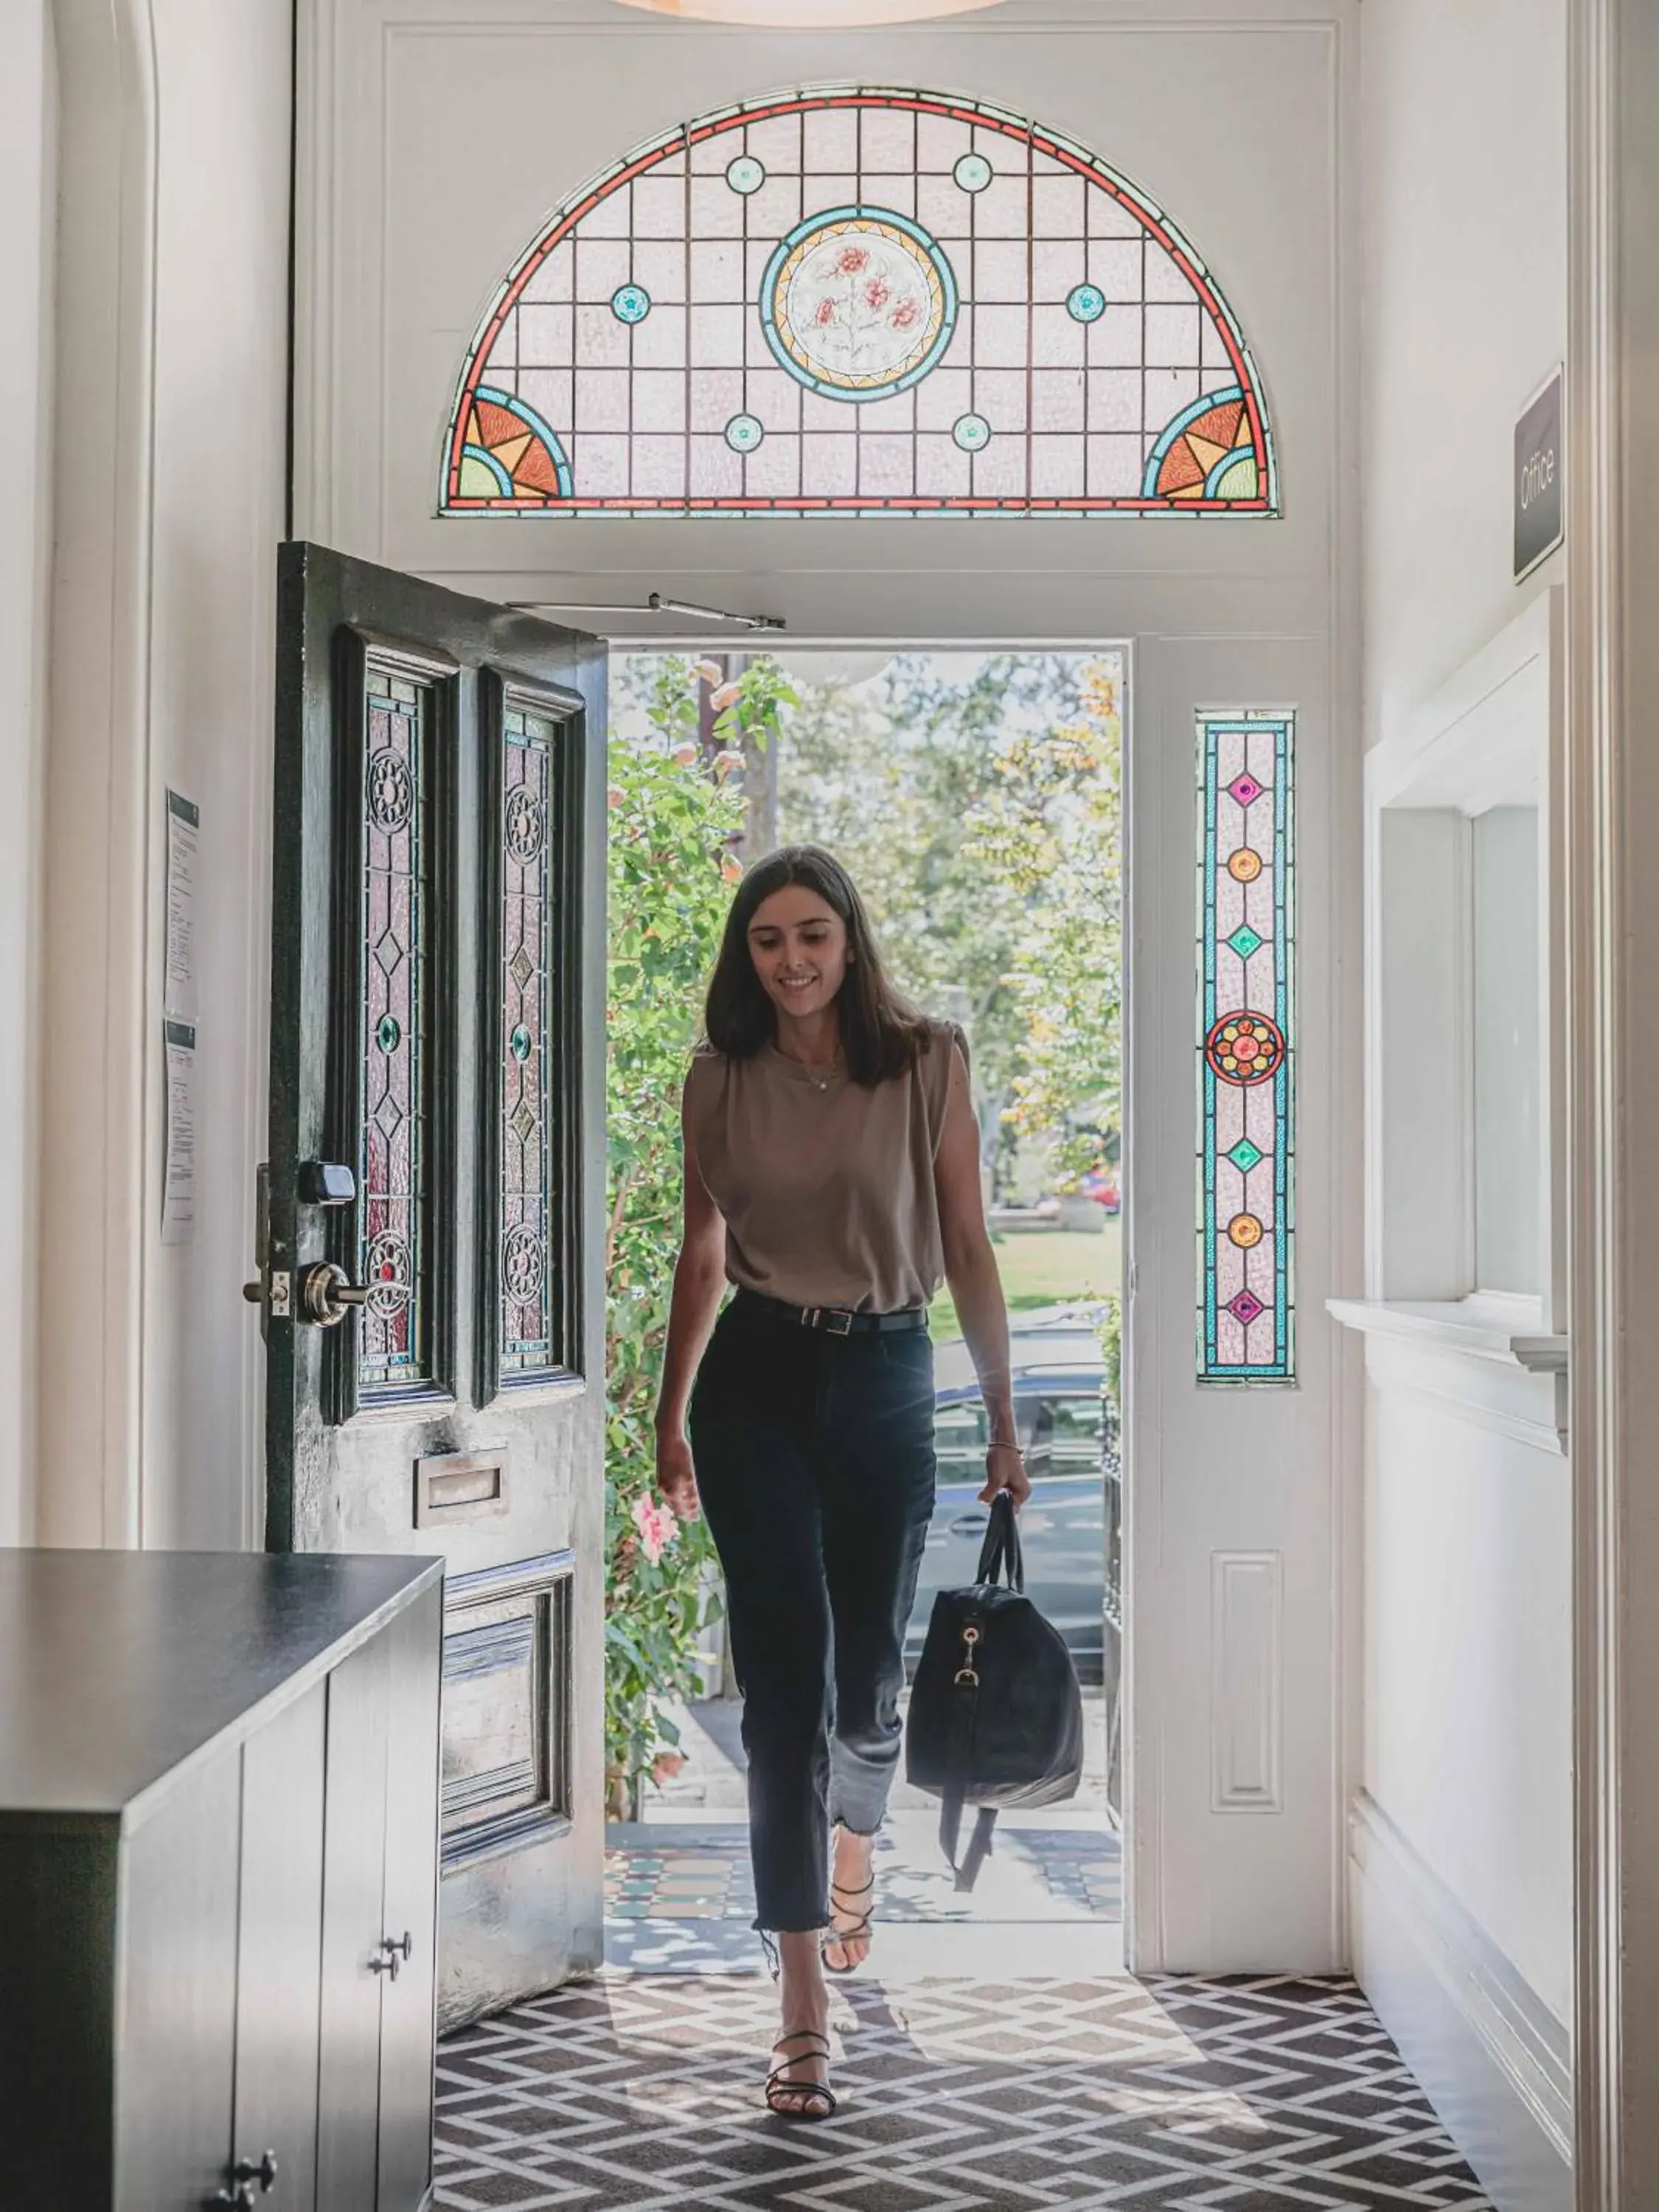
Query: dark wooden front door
[[430, 1242]]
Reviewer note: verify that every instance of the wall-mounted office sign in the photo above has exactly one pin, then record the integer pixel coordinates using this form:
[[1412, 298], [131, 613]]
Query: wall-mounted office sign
[[1538, 466]]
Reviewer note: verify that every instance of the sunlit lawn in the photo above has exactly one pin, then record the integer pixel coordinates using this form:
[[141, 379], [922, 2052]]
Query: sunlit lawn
[[1046, 1267]]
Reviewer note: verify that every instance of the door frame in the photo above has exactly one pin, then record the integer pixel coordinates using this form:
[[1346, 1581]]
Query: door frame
[[1159, 1933], [1612, 899]]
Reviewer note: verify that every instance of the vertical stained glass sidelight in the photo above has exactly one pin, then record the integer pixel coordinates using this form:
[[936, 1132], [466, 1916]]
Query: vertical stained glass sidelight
[[527, 1285], [1246, 1048], [392, 1349]]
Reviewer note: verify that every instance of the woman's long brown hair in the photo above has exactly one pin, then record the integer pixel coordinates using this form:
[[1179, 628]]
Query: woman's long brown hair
[[881, 1032]]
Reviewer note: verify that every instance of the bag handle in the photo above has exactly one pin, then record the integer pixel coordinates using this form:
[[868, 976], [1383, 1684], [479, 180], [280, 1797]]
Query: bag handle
[[1001, 1545]]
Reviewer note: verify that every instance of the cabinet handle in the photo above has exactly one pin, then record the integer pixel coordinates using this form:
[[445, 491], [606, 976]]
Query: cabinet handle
[[394, 1950], [243, 2175]]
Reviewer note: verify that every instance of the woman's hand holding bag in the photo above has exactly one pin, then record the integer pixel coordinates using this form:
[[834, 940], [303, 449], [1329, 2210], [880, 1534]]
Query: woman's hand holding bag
[[1005, 1469]]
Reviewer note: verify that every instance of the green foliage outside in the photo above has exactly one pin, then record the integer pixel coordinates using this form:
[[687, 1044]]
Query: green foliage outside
[[980, 813], [673, 811], [978, 806], [1049, 828]]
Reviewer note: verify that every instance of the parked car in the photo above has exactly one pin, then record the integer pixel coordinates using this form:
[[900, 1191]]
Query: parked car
[[1058, 1410]]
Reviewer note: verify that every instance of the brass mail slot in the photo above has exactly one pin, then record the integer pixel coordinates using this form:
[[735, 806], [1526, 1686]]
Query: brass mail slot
[[453, 1486]]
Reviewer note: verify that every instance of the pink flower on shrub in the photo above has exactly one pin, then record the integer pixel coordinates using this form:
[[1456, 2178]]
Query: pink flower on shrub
[[727, 694], [657, 1526], [685, 755]]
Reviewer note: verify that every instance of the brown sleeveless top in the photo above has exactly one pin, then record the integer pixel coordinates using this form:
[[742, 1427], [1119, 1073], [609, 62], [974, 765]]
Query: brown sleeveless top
[[826, 1187]]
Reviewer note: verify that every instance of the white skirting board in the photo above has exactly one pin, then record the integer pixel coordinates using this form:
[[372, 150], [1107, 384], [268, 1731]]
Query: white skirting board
[[1494, 2060]]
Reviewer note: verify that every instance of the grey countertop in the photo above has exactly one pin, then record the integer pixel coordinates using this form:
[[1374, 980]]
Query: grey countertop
[[117, 1670]]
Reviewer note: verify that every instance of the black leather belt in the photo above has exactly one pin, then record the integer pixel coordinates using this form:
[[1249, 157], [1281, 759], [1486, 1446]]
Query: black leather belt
[[834, 1321]]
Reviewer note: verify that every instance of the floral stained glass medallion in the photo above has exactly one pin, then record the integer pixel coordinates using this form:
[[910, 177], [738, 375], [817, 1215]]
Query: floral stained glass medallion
[[392, 1346], [862, 300], [527, 1289], [1246, 955]]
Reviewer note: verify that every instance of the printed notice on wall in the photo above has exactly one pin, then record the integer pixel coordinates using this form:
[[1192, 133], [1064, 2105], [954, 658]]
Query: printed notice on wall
[[179, 1181], [184, 827]]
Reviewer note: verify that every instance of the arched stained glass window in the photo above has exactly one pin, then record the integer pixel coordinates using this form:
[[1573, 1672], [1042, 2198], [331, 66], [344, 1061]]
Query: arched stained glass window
[[860, 301]]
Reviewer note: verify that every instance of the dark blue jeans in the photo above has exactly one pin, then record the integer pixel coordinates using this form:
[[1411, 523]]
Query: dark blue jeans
[[815, 1461]]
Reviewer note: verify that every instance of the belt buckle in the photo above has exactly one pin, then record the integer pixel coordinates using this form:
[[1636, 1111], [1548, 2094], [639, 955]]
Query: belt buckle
[[836, 1321]]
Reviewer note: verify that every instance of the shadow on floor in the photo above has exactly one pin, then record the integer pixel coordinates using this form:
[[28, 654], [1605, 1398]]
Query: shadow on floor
[[1260, 2095]]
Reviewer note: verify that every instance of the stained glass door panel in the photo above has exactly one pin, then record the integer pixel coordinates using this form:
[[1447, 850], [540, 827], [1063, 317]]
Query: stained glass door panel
[[437, 947], [1246, 953], [535, 1316], [394, 1199]]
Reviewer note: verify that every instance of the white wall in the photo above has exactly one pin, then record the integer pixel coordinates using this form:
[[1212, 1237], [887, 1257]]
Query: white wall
[[1464, 312], [28, 186], [221, 412], [170, 356], [1467, 1575]]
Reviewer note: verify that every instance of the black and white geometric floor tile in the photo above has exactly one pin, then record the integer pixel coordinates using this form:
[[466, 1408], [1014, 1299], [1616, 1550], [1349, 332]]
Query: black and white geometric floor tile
[[1260, 2095]]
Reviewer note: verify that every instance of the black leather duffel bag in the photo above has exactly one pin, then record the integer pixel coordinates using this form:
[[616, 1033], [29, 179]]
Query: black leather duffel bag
[[996, 1716]]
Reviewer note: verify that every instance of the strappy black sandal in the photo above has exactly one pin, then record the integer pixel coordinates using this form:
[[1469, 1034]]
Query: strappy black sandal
[[858, 1932], [819, 2098]]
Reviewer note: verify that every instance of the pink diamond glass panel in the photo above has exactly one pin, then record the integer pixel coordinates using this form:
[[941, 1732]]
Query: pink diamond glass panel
[[859, 300], [391, 1348], [1246, 952]]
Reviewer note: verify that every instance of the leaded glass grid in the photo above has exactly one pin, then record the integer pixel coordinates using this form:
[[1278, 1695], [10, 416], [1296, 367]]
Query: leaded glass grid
[[392, 1344], [859, 300], [1246, 1048], [527, 1193]]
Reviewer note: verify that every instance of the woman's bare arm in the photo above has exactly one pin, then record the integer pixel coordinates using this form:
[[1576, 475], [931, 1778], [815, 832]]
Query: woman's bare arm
[[970, 1269], [699, 1282]]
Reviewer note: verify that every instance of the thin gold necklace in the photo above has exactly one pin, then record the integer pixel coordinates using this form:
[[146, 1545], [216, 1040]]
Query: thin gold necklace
[[818, 1077]]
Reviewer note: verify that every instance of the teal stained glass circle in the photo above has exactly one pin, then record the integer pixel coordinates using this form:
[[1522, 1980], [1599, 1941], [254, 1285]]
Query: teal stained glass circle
[[519, 1044], [744, 433], [630, 303], [972, 432], [1085, 303], [745, 174], [973, 172], [387, 1034]]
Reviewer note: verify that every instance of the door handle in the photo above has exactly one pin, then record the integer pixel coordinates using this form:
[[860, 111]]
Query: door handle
[[394, 1950], [326, 1293]]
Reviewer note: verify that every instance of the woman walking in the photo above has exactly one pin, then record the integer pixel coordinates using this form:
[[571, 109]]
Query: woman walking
[[832, 1176]]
